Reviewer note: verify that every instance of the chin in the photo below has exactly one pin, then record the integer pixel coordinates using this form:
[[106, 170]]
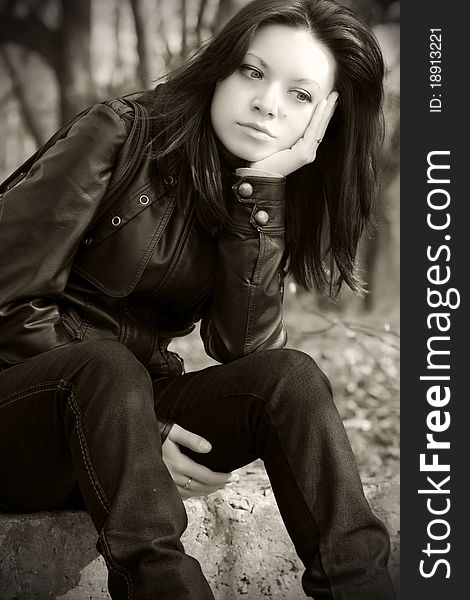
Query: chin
[[251, 154]]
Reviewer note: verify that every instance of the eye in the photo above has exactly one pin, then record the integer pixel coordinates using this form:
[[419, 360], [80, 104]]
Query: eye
[[251, 72], [302, 96]]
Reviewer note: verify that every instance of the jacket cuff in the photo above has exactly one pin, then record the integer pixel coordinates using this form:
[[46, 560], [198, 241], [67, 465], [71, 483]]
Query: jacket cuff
[[249, 171], [259, 203], [164, 426]]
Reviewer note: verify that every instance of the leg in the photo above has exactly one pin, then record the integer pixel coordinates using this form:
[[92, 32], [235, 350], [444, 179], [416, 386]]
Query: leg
[[84, 414], [277, 405]]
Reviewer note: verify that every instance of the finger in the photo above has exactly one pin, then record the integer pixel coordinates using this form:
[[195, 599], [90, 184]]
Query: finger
[[190, 493], [320, 119], [181, 467], [197, 487], [200, 473], [311, 133], [332, 102], [187, 481], [190, 440]]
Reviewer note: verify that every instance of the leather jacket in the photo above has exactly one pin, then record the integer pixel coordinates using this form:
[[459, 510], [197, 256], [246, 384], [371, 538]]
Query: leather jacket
[[145, 271]]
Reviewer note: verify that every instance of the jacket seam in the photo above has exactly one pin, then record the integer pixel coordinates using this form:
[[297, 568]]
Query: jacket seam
[[123, 328], [252, 295], [253, 230], [154, 338], [177, 254], [151, 247], [87, 312]]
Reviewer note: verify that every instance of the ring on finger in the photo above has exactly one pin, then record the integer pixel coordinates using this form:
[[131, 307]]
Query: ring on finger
[[188, 483]]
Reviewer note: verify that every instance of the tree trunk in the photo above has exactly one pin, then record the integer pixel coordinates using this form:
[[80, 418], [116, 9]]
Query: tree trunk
[[200, 21], [184, 32], [144, 51], [25, 107], [226, 9], [77, 89]]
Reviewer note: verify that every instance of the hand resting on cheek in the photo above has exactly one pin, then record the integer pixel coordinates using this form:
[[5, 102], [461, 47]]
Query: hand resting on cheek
[[305, 149]]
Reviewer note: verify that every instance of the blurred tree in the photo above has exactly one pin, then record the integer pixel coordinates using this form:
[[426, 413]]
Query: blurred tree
[[375, 11], [24, 103], [145, 72], [381, 251], [58, 30]]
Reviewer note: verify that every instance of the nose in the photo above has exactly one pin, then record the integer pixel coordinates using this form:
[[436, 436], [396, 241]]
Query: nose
[[267, 102]]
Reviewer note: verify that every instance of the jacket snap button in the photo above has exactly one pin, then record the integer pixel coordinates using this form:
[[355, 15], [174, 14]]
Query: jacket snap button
[[88, 241], [261, 217], [116, 221], [144, 199], [245, 190], [169, 180]]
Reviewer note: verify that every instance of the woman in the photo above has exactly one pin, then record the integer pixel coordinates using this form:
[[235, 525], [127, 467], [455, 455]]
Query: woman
[[234, 187]]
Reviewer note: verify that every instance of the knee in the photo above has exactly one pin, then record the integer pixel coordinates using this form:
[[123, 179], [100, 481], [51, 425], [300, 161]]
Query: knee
[[108, 362], [296, 368], [107, 379], [297, 381]]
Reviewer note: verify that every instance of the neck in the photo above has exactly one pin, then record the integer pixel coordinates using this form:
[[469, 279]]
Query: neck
[[229, 160]]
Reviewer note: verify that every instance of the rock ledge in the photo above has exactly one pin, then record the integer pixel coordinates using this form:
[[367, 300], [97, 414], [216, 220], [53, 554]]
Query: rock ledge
[[238, 538]]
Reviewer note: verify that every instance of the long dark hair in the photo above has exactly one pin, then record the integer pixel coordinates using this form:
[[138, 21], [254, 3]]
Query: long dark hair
[[329, 201]]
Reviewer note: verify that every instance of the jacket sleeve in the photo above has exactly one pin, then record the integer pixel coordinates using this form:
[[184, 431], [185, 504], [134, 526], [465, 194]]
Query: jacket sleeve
[[246, 309], [42, 220]]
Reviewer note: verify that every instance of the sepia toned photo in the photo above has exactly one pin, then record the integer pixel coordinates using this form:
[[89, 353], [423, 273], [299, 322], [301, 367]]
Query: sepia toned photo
[[199, 299]]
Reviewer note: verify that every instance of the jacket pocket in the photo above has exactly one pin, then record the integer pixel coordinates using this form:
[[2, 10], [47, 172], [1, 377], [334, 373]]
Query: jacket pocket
[[115, 252]]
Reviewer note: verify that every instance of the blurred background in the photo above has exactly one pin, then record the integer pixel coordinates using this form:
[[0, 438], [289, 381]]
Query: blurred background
[[59, 56]]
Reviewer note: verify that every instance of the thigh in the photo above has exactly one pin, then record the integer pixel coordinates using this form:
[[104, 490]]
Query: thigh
[[224, 404], [36, 470], [36, 466]]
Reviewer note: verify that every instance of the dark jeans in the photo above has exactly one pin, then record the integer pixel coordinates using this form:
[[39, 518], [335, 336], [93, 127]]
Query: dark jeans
[[79, 422]]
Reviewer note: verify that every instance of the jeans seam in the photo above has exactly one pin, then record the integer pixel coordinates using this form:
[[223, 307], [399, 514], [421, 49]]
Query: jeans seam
[[45, 386], [100, 493], [84, 449], [114, 566]]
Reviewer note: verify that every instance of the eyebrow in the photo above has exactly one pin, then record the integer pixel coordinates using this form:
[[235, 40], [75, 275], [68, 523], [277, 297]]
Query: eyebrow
[[299, 80]]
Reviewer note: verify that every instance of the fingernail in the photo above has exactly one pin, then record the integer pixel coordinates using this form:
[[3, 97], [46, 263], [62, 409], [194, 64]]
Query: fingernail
[[204, 445]]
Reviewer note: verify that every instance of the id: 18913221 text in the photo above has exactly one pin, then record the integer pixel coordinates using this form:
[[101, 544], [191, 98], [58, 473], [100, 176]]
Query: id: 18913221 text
[[435, 70]]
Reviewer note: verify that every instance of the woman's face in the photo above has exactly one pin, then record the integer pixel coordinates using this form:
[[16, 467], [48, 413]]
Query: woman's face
[[266, 104]]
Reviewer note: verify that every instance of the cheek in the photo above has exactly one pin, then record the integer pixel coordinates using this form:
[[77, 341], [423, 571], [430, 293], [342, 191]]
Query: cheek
[[216, 107], [222, 103], [295, 127], [303, 119]]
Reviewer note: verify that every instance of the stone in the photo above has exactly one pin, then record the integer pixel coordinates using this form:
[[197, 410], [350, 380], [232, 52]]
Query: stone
[[236, 534]]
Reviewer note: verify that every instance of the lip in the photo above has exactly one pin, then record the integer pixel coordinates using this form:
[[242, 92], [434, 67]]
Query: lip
[[256, 130]]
